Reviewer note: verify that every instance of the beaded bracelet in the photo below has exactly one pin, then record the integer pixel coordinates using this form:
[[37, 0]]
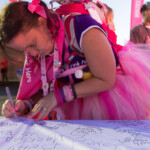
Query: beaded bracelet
[[29, 102]]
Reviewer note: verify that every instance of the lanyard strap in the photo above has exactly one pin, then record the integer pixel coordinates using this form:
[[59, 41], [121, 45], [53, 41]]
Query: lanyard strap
[[45, 85], [56, 63], [56, 66]]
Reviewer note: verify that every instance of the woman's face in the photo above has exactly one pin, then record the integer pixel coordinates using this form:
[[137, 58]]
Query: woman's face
[[146, 16], [36, 41]]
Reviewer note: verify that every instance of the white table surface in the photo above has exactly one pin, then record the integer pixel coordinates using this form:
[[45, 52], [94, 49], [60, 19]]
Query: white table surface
[[26, 134]]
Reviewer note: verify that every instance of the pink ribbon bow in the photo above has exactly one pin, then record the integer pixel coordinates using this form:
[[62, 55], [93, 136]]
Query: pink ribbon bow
[[35, 7]]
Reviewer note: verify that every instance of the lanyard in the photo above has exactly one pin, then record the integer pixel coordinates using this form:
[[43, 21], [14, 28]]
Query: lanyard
[[56, 65], [45, 85]]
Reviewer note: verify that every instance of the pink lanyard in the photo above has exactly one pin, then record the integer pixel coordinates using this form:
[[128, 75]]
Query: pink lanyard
[[45, 85], [56, 65]]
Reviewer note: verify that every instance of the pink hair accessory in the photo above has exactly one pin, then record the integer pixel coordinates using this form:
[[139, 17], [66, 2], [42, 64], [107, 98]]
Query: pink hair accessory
[[35, 7]]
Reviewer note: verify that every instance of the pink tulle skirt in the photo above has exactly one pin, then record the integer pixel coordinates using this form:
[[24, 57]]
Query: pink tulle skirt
[[129, 99]]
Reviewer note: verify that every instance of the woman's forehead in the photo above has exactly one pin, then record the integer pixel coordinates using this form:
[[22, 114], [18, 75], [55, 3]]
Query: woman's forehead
[[18, 42], [21, 41]]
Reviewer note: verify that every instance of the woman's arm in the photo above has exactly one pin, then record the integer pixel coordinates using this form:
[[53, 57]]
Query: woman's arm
[[101, 61]]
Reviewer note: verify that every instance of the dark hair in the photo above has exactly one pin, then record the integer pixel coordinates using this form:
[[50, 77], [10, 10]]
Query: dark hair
[[15, 18], [145, 7]]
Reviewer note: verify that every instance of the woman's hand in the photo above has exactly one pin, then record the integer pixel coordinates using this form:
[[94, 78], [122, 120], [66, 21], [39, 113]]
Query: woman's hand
[[44, 106], [20, 107]]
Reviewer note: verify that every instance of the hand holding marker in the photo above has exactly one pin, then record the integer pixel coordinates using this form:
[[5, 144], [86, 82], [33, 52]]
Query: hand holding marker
[[10, 99]]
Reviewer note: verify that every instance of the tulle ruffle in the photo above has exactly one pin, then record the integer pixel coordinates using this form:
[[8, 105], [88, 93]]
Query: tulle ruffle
[[129, 99]]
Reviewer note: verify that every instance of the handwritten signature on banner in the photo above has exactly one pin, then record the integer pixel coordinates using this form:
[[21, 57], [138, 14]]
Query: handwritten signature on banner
[[25, 134]]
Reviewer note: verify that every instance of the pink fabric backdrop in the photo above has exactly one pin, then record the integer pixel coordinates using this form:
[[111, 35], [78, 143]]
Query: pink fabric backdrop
[[136, 17]]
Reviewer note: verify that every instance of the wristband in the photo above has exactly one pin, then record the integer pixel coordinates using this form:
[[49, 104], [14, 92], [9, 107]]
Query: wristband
[[73, 91], [29, 103], [68, 93], [65, 94]]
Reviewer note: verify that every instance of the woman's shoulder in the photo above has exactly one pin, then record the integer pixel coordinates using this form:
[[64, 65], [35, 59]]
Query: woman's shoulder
[[85, 19], [80, 22], [80, 18], [76, 26]]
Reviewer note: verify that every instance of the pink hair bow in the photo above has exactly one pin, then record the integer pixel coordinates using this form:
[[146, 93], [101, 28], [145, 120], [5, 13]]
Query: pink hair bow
[[35, 7]]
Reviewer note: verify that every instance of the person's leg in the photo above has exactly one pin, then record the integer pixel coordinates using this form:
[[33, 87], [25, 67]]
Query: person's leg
[[5, 76]]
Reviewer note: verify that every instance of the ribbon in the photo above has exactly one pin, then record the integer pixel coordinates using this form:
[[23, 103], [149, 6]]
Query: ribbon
[[35, 7]]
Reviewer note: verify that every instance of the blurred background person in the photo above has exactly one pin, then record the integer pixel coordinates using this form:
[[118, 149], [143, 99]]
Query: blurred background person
[[108, 25], [4, 70], [141, 32], [109, 14]]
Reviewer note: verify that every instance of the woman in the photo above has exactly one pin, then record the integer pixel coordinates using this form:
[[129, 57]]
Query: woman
[[110, 17], [50, 58]]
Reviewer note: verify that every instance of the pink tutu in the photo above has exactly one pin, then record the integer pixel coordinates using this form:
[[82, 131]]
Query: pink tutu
[[128, 99]]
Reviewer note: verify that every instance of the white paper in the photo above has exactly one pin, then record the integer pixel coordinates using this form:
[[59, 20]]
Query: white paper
[[26, 134]]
